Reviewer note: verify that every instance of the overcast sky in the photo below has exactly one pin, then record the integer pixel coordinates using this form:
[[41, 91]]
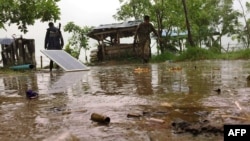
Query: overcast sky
[[81, 12]]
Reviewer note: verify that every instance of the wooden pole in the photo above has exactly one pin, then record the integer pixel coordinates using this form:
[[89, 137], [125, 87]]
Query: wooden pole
[[21, 51], [190, 39], [41, 59], [103, 49], [33, 52]]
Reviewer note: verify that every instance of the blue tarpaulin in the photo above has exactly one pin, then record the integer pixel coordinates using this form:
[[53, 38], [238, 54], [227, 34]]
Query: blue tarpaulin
[[6, 41]]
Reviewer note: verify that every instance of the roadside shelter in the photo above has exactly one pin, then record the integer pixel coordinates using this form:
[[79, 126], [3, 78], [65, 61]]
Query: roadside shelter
[[109, 37]]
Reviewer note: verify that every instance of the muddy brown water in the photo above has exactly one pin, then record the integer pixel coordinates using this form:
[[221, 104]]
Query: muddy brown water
[[165, 91]]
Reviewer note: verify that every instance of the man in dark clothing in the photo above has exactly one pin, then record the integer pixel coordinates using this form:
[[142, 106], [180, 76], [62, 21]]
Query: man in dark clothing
[[53, 40], [143, 32]]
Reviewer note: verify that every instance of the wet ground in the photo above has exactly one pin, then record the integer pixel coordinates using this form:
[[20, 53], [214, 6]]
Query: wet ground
[[187, 101]]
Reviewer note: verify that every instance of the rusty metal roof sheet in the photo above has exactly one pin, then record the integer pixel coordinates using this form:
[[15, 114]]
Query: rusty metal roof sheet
[[126, 28], [119, 25]]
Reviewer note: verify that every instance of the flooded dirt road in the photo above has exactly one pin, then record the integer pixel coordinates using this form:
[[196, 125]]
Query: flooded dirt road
[[188, 101]]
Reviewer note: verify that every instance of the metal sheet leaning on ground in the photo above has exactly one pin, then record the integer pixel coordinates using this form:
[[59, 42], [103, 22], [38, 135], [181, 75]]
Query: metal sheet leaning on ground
[[64, 60]]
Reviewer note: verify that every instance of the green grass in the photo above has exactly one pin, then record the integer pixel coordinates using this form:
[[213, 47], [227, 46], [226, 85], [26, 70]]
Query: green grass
[[8, 71], [240, 54], [195, 53], [163, 57]]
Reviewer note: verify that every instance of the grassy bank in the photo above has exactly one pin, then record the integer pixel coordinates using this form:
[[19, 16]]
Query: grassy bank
[[193, 54]]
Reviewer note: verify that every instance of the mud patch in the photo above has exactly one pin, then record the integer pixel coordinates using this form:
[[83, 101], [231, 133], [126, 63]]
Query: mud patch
[[195, 128]]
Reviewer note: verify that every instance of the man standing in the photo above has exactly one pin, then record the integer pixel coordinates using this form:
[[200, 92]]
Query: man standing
[[143, 32], [53, 40]]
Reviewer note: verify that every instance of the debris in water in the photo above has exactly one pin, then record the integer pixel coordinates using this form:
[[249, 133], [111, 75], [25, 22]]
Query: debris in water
[[181, 126], [166, 104], [100, 118], [218, 90], [175, 69], [130, 115], [156, 120], [248, 78], [31, 94], [141, 70]]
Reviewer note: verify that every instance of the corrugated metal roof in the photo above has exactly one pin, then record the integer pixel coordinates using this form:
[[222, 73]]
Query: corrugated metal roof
[[126, 28], [119, 25], [6, 41]]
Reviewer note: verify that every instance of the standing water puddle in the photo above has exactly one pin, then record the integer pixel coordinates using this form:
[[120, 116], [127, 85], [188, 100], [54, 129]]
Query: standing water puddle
[[168, 101]]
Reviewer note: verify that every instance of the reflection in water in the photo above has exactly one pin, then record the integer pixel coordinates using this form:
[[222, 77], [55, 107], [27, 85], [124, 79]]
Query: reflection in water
[[62, 82], [143, 82], [66, 100]]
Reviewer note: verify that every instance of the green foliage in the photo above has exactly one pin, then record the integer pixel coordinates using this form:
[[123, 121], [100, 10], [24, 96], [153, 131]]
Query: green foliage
[[25, 12], [240, 54], [192, 54], [196, 53], [207, 19], [79, 39], [248, 6], [163, 57], [133, 9], [72, 51]]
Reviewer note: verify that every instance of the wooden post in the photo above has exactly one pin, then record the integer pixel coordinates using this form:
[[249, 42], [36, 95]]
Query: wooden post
[[12, 54], [21, 50], [33, 52], [118, 37], [16, 50], [103, 49], [41, 59], [4, 56]]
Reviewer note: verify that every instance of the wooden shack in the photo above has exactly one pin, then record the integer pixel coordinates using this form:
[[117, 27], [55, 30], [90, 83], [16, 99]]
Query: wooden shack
[[109, 41], [17, 51]]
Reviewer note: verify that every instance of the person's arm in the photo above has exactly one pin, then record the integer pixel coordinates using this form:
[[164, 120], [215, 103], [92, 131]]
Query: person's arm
[[136, 33], [61, 37], [46, 40], [155, 32], [62, 42]]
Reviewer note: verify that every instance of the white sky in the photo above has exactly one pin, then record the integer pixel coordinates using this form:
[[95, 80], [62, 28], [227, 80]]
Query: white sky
[[81, 12]]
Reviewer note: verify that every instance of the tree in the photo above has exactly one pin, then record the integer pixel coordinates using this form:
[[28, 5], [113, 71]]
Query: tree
[[206, 21], [245, 35], [132, 9], [211, 20], [79, 39], [25, 12], [190, 38], [136, 9], [226, 21]]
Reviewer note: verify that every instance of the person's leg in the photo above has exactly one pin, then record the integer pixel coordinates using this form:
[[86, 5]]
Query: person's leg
[[50, 65], [146, 51], [142, 52]]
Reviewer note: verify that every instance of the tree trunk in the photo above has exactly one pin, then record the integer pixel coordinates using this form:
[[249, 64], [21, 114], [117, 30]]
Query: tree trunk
[[191, 42], [159, 17], [247, 27]]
